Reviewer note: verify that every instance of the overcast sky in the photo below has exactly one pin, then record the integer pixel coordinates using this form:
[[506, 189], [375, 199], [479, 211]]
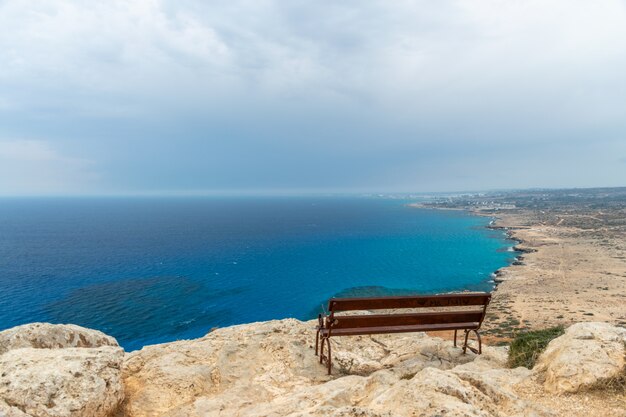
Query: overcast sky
[[192, 96]]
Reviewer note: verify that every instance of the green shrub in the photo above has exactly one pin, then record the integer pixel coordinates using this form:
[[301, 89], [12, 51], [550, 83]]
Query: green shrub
[[527, 346]]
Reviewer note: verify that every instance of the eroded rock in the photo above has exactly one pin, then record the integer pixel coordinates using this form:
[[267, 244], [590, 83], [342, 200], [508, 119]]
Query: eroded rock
[[269, 369], [584, 356], [259, 360], [52, 336], [52, 370], [62, 382], [8, 411]]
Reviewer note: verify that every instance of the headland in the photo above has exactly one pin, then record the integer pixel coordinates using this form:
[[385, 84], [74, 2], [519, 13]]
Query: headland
[[572, 262]]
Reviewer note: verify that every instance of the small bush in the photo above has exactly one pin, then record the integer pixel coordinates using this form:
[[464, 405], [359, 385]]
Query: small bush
[[527, 346]]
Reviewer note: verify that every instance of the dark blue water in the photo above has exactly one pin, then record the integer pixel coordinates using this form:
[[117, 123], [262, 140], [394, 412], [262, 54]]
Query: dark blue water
[[150, 270]]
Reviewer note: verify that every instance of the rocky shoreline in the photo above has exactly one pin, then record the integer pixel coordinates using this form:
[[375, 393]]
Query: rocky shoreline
[[510, 235], [564, 274]]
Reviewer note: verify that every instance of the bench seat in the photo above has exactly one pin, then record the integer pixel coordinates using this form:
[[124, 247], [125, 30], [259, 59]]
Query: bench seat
[[401, 329]]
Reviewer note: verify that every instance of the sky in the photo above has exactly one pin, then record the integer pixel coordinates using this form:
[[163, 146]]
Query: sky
[[265, 96]]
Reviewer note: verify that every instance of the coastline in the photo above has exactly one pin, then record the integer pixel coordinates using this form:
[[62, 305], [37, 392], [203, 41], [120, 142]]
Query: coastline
[[498, 326], [496, 274], [564, 275], [567, 271]]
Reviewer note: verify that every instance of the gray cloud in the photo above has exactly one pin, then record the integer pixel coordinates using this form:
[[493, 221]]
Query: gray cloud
[[33, 167], [415, 95]]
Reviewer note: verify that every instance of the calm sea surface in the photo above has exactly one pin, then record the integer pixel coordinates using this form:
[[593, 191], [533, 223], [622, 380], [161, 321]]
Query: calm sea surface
[[151, 270]]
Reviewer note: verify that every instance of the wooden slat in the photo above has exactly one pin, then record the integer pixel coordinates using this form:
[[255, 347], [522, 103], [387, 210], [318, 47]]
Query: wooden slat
[[379, 303], [401, 329], [382, 320]]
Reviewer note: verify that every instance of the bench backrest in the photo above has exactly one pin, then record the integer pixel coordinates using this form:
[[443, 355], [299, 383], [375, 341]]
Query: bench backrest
[[480, 300], [410, 301]]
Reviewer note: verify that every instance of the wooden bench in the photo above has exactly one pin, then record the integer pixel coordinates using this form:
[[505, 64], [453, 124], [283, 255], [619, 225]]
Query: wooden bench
[[438, 317]]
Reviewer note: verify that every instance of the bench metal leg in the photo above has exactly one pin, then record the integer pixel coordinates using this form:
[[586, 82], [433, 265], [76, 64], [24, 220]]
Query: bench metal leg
[[328, 357], [317, 341], [455, 338], [480, 344]]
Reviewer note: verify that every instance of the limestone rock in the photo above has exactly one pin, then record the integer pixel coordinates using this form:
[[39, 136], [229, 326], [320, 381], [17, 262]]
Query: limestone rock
[[67, 382], [435, 392], [488, 374], [269, 369], [59, 370], [52, 336], [403, 354], [586, 354], [8, 411], [259, 360]]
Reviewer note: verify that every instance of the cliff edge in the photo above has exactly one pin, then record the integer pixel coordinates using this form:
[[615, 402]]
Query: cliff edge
[[269, 369]]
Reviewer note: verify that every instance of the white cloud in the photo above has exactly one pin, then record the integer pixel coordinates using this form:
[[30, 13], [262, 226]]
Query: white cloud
[[414, 59], [113, 48]]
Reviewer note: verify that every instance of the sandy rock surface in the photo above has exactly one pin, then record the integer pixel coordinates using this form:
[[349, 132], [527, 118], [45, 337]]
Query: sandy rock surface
[[52, 336], [43, 374], [8, 411], [588, 353], [269, 369]]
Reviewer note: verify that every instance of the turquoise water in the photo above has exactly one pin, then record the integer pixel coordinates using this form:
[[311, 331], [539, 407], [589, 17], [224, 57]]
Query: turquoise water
[[150, 270]]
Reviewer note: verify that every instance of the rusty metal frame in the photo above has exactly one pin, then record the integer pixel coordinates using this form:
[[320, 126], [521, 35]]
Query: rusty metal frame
[[467, 346], [324, 323], [323, 357], [320, 326]]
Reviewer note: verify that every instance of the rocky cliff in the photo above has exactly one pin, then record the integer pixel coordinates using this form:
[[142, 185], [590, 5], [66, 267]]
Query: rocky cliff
[[269, 369]]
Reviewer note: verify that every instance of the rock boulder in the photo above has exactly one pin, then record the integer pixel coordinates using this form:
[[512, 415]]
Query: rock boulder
[[43, 374], [584, 356], [52, 336]]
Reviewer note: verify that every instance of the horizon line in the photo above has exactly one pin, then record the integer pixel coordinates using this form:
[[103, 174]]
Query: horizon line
[[293, 193]]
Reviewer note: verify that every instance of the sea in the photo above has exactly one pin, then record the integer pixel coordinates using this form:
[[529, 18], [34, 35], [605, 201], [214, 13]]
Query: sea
[[149, 270]]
